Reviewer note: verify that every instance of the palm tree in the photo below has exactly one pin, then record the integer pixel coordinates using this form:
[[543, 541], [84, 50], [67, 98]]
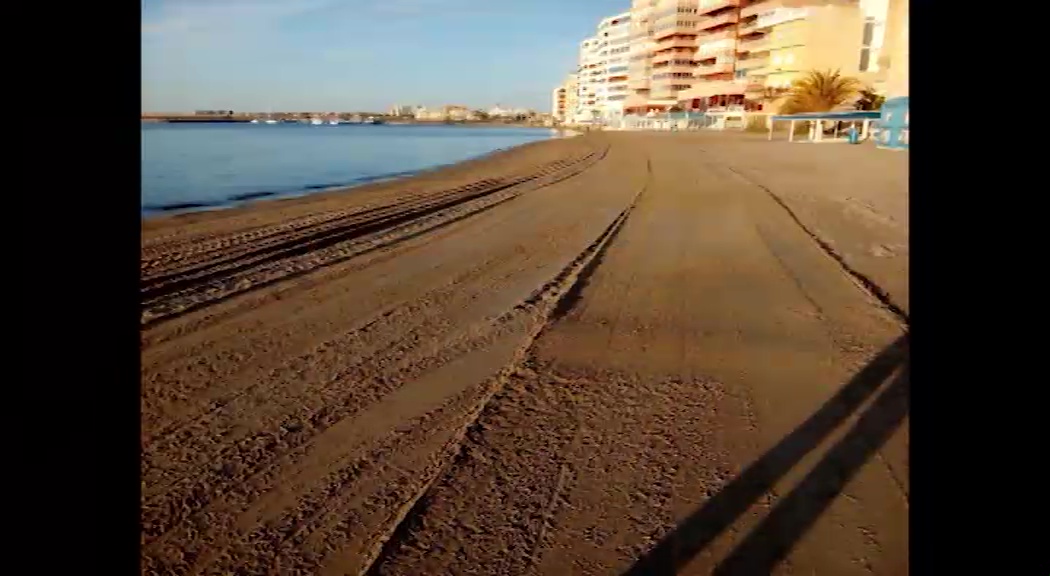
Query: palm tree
[[771, 94], [821, 92]]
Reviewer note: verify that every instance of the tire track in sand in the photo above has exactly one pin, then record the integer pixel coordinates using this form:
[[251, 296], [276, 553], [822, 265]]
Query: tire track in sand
[[552, 301]]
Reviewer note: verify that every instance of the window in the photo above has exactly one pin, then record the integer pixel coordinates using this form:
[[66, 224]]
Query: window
[[871, 44]]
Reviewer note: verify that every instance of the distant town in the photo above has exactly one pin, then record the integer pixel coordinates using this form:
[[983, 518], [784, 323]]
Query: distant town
[[397, 114]]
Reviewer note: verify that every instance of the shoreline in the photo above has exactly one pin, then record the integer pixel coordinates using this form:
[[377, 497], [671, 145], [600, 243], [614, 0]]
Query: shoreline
[[154, 212], [272, 206]]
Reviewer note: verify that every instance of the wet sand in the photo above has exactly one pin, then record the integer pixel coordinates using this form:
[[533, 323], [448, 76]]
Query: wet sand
[[620, 353]]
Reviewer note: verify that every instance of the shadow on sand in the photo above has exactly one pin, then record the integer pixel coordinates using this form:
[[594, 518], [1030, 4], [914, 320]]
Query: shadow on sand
[[772, 540]]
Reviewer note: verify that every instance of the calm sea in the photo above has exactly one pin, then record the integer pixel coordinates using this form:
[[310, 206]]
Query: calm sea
[[206, 166]]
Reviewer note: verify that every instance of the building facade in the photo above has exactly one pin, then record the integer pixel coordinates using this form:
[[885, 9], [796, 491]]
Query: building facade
[[589, 76], [614, 37], [894, 57], [564, 100], [639, 66], [572, 89], [698, 54], [749, 49], [558, 103], [672, 62]]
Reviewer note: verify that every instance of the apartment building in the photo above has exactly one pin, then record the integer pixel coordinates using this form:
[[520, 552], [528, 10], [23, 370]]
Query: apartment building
[[572, 89], [589, 76], [784, 39], [894, 55], [747, 46], [614, 37], [639, 66], [672, 64], [558, 103]]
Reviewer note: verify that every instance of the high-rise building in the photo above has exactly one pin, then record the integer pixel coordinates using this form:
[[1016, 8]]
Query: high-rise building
[[589, 75], [558, 103], [746, 47], [564, 100], [572, 97], [614, 36], [639, 66], [894, 56], [673, 24]]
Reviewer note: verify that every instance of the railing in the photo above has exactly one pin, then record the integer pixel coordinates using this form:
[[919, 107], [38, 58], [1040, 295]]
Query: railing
[[752, 62], [759, 45], [716, 68], [675, 43], [780, 16], [713, 36], [712, 21], [712, 6]]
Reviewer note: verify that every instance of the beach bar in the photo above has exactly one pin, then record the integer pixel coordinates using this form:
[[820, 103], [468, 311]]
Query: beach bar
[[817, 119]]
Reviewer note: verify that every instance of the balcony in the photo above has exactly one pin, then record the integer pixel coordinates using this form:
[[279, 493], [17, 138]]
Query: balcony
[[663, 92], [716, 68], [711, 22], [760, 7], [674, 68], [760, 44], [676, 42], [752, 62], [720, 53], [670, 55], [749, 28], [713, 36], [780, 16], [716, 6], [638, 83], [689, 28]]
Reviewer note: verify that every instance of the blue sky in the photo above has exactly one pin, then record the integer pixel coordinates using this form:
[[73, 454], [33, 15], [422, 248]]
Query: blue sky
[[259, 55]]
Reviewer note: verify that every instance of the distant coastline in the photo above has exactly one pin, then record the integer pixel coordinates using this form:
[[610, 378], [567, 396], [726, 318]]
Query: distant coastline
[[155, 118]]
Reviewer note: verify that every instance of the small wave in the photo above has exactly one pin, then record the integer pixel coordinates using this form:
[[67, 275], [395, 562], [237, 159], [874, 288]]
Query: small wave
[[178, 206], [251, 196]]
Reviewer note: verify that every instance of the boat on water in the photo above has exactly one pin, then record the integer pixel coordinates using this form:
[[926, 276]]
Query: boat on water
[[334, 122], [373, 120], [271, 121], [316, 121], [255, 121]]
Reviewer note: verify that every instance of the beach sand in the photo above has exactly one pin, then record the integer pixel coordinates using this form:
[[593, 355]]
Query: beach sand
[[618, 353]]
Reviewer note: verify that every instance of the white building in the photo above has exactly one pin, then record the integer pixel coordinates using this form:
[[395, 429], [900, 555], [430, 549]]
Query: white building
[[400, 110], [422, 113], [614, 44], [602, 72], [589, 77]]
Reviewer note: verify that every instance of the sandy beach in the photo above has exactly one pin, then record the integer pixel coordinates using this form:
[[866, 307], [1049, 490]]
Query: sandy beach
[[612, 354]]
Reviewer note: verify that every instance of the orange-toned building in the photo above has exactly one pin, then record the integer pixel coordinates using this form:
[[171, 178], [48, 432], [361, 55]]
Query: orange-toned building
[[663, 45], [696, 54]]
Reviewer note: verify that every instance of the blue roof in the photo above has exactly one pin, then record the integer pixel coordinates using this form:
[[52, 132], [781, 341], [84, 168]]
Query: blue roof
[[842, 115]]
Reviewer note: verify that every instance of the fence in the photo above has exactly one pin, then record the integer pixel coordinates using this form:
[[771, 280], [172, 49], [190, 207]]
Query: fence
[[710, 120]]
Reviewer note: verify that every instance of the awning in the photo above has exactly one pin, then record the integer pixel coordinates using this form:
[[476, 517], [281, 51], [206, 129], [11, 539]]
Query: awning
[[840, 116]]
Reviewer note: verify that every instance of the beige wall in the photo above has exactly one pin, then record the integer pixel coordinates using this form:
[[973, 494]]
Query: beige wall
[[895, 49], [829, 38], [834, 35]]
